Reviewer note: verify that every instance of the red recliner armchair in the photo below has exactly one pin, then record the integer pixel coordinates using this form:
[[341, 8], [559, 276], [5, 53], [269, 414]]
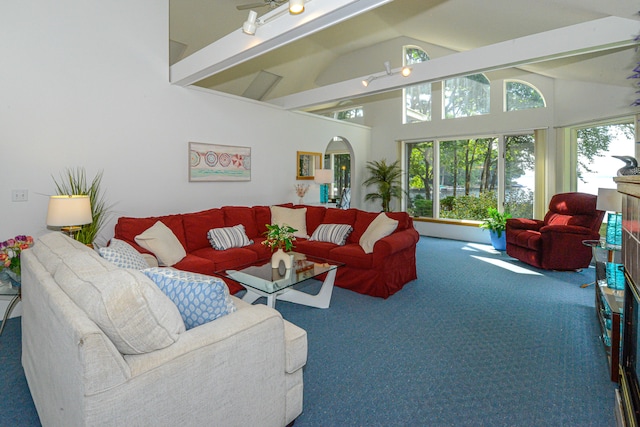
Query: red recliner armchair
[[556, 242]]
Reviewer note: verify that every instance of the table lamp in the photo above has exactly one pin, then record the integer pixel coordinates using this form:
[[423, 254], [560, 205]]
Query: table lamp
[[69, 212], [324, 177], [609, 200]]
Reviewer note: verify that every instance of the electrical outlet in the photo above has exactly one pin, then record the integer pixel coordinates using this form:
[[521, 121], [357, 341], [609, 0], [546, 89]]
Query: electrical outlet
[[19, 195]]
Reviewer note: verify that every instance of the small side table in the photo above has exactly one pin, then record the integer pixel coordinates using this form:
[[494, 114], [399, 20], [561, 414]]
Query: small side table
[[13, 295]]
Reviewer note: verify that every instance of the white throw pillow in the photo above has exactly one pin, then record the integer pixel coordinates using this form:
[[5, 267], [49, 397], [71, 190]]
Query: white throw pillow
[[128, 307], [296, 218], [380, 227], [160, 240], [123, 255]]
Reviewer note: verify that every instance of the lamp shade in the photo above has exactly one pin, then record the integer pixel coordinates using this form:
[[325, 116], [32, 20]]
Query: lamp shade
[[323, 176], [609, 200], [67, 211]]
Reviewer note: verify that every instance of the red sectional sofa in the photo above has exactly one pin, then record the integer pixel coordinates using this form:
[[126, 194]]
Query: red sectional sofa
[[381, 273]]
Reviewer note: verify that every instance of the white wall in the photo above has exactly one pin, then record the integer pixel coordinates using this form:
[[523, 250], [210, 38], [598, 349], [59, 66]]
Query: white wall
[[85, 83]]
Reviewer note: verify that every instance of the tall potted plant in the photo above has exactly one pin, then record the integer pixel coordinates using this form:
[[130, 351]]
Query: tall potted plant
[[386, 178], [74, 181], [496, 223]]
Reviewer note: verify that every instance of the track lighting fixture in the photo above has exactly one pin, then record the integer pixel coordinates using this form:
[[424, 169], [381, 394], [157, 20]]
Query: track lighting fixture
[[296, 7], [250, 25], [366, 82], [404, 72]]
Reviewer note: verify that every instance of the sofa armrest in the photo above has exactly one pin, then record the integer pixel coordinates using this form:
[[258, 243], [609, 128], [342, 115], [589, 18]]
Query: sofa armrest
[[394, 243], [524, 224]]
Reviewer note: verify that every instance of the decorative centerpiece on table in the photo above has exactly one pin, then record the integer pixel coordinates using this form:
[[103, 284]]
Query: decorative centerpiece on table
[[301, 190], [10, 258], [279, 239]]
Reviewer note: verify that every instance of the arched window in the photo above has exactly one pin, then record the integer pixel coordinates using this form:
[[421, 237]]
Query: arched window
[[466, 96], [521, 96], [417, 106]]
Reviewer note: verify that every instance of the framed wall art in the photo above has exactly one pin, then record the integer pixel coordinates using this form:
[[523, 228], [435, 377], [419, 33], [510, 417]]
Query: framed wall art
[[212, 162], [307, 163]]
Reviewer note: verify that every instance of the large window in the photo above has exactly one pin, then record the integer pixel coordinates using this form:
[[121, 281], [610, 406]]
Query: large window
[[595, 146], [417, 105], [468, 177], [521, 96], [462, 178], [420, 163], [519, 175], [466, 96]]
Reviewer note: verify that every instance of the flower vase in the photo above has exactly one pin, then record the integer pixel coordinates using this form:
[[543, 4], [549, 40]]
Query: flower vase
[[280, 256], [14, 278]]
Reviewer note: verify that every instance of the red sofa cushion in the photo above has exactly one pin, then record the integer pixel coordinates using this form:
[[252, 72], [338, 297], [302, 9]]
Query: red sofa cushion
[[198, 224], [128, 228], [234, 215], [263, 217], [352, 255], [318, 249], [315, 216]]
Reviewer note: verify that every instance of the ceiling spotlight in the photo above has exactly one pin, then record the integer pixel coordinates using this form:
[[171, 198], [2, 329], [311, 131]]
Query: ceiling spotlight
[[405, 71], [387, 67], [366, 82], [296, 6], [249, 26]]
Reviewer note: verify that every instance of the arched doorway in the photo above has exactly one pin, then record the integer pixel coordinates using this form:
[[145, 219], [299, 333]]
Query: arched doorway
[[339, 157]]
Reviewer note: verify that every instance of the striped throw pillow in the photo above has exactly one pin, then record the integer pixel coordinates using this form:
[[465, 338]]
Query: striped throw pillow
[[333, 233], [228, 237]]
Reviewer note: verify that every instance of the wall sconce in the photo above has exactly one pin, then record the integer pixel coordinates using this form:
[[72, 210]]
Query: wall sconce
[[404, 72], [69, 212], [296, 7]]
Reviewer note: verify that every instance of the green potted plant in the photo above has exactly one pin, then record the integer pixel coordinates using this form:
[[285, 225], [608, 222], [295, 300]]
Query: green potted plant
[[386, 177], [496, 223], [74, 182], [279, 238]]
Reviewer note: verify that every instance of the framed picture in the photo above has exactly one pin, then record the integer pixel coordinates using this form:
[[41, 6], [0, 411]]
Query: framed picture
[[307, 163], [212, 162]]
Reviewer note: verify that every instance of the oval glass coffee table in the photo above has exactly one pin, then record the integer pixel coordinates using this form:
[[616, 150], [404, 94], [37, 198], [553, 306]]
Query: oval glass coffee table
[[260, 280]]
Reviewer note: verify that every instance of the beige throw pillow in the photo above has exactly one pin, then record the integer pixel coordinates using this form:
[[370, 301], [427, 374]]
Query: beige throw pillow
[[380, 227], [160, 240], [296, 218]]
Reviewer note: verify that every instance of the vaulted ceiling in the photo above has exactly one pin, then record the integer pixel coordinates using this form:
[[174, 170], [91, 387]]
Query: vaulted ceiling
[[357, 47]]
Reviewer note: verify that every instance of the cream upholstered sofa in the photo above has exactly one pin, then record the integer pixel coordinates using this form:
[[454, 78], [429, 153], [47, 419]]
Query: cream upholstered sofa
[[103, 346]]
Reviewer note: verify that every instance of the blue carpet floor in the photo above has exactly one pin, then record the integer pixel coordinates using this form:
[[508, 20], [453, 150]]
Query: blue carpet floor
[[479, 339]]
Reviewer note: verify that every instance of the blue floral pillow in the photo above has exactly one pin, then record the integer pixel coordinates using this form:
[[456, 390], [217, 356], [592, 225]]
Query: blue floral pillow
[[123, 255], [199, 298]]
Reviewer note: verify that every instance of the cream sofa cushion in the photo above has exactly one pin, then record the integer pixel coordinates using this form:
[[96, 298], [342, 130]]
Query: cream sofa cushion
[[160, 240], [128, 307], [380, 227], [296, 218]]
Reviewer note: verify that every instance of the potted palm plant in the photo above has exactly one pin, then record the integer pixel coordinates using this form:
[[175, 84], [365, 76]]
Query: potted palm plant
[[386, 177], [74, 181], [496, 223]]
